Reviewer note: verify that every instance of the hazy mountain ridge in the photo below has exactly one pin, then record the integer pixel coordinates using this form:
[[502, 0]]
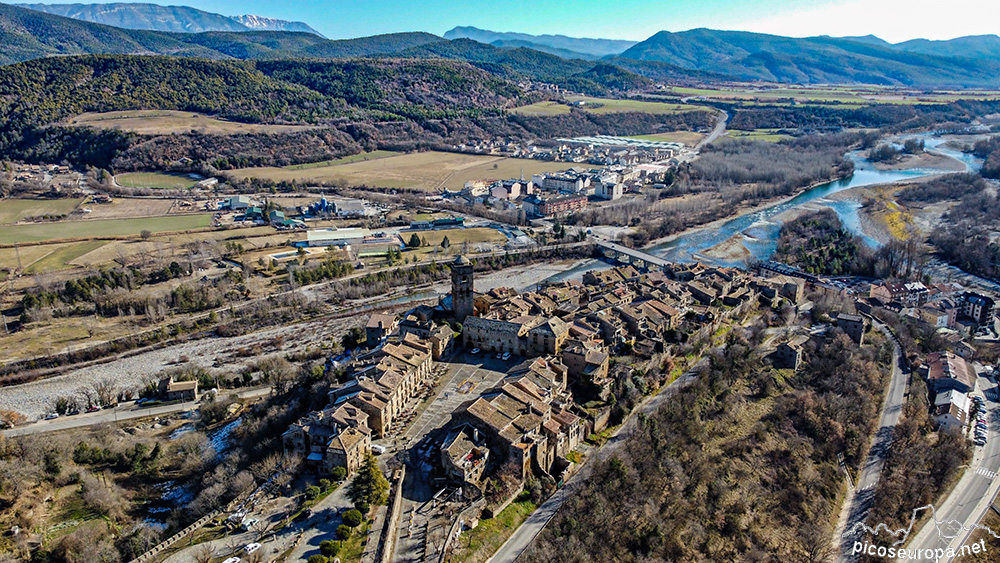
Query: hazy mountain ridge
[[560, 45], [175, 19]]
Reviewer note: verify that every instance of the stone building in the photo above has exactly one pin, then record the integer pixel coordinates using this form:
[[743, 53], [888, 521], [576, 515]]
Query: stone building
[[462, 290]]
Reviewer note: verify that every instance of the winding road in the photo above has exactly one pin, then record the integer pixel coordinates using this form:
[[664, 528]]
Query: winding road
[[860, 498], [720, 128]]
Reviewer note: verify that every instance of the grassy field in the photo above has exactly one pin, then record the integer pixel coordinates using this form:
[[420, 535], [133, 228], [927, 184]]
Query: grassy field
[[852, 96], [360, 157], [457, 237], [94, 229], [429, 171], [160, 180], [62, 255], [768, 135], [607, 106], [13, 210], [165, 122], [689, 138]]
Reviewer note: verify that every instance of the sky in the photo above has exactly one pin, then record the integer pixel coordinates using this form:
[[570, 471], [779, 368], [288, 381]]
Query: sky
[[892, 20]]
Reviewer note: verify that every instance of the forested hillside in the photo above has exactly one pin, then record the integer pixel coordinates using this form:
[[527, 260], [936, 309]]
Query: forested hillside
[[362, 104], [738, 465]]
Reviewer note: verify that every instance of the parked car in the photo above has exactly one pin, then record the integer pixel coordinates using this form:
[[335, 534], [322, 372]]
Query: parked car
[[506, 356], [251, 547], [499, 355], [475, 351], [232, 560], [94, 408], [52, 416]]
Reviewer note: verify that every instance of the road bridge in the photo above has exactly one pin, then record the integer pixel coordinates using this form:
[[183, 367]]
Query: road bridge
[[625, 255]]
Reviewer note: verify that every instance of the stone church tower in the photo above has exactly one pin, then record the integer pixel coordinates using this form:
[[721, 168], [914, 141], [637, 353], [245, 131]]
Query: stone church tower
[[462, 292]]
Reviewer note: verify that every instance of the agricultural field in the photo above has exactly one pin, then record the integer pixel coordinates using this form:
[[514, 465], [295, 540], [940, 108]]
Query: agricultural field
[[457, 237], [14, 210], [429, 171], [157, 180], [846, 96], [605, 105], [128, 208], [62, 256], [102, 228], [360, 157], [689, 138], [166, 122], [769, 135]]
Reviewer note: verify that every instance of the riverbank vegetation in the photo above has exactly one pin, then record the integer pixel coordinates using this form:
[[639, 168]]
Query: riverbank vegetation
[[965, 236], [739, 442], [727, 177], [817, 243]]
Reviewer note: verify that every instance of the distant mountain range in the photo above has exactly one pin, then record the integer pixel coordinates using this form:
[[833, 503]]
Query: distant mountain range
[[587, 65], [559, 45], [153, 17], [966, 61]]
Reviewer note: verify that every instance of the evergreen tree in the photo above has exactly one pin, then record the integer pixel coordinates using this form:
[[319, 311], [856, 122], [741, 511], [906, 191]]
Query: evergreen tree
[[369, 484]]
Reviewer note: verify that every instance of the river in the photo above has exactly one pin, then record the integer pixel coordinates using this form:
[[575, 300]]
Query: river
[[760, 230]]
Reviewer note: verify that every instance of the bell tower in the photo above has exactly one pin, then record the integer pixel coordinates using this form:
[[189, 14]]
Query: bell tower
[[462, 292]]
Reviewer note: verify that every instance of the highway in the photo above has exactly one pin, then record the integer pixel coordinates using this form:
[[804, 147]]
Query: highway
[[123, 412], [860, 499], [971, 497]]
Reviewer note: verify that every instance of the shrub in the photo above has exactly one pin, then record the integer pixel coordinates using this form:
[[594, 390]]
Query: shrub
[[343, 531], [329, 548], [312, 492], [325, 484], [353, 518], [318, 559], [338, 473], [363, 507]]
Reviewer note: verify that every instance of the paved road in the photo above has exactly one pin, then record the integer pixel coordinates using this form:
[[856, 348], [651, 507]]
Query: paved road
[[523, 536], [124, 411], [971, 497], [720, 128], [860, 499]]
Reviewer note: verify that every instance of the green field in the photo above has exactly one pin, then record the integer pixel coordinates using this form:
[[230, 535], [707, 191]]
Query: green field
[[769, 135], [605, 105], [360, 157], [62, 255], [13, 210], [159, 180], [457, 237], [102, 228], [845, 96], [427, 171]]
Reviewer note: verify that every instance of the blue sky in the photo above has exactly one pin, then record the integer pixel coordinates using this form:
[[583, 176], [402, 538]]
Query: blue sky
[[893, 20]]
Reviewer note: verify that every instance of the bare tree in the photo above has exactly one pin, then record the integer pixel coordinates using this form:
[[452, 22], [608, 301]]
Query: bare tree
[[204, 554], [105, 390]]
